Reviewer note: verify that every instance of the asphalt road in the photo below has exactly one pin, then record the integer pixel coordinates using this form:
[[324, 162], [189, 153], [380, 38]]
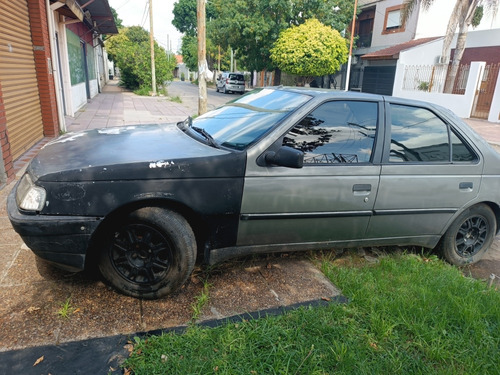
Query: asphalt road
[[188, 93]]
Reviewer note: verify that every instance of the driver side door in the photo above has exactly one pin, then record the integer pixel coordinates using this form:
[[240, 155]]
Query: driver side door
[[331, 198]]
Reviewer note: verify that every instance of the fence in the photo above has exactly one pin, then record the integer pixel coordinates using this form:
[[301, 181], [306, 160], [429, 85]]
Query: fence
[[432, 78]]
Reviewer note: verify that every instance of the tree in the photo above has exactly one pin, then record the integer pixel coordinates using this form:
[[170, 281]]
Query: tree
[[185, 16], [309, 50], [465, 13], [130, 50], [252, 26], [118, 21], [185, 21]]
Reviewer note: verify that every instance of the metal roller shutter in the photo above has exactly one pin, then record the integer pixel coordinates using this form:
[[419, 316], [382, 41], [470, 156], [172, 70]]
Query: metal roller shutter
[[18, 77]]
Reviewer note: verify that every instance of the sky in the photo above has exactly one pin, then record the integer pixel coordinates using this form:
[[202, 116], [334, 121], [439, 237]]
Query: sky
[[135, 13]]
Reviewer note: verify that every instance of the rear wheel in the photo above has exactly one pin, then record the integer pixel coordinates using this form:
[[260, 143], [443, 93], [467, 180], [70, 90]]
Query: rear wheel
[[149, 254], [469, 236]]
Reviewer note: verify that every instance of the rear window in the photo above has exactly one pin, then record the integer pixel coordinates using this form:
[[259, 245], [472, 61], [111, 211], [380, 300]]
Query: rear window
[[236, 77]]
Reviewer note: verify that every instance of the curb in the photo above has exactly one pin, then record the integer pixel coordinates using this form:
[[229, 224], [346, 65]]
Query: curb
[[105, 355]]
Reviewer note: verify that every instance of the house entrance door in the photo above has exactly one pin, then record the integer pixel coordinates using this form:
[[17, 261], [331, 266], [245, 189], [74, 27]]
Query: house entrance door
[[484, 96]]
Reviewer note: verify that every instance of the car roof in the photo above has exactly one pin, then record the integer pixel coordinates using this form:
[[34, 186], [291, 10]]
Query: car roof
[[337, 94]]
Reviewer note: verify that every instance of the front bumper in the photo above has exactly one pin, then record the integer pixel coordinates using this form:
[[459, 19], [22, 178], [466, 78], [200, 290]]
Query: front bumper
[[62, 240]]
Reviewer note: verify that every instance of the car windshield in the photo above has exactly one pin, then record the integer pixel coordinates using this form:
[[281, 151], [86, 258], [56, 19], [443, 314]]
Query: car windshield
[[243, 121], [236, 77]]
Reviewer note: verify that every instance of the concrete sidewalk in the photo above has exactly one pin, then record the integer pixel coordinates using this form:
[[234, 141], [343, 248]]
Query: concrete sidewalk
[[115, 106]]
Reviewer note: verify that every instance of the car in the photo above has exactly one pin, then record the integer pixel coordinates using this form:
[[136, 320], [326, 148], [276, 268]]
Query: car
[[230, 82], [278, 169]]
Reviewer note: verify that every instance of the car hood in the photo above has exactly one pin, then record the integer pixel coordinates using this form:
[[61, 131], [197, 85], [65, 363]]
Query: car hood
[[131, 153]]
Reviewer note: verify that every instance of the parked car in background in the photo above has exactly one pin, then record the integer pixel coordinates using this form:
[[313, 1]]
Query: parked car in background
[[230, 82], [279, 169]]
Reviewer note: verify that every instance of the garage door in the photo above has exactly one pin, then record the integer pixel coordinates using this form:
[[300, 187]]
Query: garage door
[[18, 77], [379, 79]]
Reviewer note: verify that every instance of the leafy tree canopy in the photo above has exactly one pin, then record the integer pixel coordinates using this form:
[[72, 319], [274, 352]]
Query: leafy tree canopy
[[118, 21], [185, 16], [131, 52], [311, 49], [252, 26]]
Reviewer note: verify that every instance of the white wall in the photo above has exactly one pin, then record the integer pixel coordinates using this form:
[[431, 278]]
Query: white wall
[[79, 97], [461, 105], [424, 54]]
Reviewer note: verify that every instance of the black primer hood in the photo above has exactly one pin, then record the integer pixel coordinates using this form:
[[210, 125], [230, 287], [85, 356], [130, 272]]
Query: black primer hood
[[131, 153]]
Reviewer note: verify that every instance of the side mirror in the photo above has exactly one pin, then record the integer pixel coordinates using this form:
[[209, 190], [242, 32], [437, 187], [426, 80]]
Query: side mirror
[[285, 157]]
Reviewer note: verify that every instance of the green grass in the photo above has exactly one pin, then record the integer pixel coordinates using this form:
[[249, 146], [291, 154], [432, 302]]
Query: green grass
[[407, 315], [175, 99], [66, 309]]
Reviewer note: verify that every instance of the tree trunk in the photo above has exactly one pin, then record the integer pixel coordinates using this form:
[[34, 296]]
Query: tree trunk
[[277, 77], [450, 32], [465, 19]]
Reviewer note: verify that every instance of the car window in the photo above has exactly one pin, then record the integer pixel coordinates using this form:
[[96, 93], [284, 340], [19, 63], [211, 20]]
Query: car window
[[460, 150], [418, 135], [336, 132], [236, 77], [243, 121]]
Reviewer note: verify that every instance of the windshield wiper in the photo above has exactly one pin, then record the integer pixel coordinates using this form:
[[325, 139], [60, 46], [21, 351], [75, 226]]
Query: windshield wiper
[[209, 138]]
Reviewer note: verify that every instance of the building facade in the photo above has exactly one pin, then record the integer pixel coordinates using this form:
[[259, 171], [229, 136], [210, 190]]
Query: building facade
[[51, 61]]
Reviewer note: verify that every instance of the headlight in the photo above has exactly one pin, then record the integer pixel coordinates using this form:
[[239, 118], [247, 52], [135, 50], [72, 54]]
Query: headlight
[[30, 197]]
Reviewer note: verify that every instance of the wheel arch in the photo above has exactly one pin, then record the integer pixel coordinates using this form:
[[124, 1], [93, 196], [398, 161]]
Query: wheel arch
[[194, 219], [496, 210]]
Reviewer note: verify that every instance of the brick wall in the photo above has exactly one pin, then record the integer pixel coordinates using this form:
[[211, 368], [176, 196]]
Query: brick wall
[[4, 143], [45, 77]]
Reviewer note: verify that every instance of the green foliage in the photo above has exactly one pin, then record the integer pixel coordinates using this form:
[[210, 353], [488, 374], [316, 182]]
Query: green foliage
[[185, 16], [130, 50], [311, 49], [118, 21], [478, 16], [405, 315], [189, 51], [252, 26]]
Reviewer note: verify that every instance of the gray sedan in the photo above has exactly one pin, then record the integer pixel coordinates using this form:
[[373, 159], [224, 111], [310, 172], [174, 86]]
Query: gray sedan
[[278, 169]]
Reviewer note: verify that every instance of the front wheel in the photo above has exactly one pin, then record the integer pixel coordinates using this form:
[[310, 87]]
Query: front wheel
[[469, 236], [149, 254]]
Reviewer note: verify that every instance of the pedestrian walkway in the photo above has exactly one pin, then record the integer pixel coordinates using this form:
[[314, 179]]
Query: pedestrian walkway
[[115, 106]]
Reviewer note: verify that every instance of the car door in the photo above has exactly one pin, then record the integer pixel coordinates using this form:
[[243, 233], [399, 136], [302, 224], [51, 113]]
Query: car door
[[429, 172], [330, 199]]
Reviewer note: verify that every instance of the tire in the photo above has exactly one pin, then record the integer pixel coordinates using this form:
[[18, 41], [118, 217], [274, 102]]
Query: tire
[[469, 236], [216, 88], [149, 254]]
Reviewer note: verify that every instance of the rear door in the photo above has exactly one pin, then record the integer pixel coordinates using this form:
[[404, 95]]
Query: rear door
[[428, 172], [331, 198]]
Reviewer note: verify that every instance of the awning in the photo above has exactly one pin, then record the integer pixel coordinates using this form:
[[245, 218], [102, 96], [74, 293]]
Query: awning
[[96, 14]]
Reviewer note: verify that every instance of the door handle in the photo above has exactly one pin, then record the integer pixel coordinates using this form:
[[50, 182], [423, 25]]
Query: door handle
[[467, 186], [361, 189]]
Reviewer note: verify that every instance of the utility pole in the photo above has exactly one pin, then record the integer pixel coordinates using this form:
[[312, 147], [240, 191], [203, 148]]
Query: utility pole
[[350, 47], [152, 41], [202, 59]]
